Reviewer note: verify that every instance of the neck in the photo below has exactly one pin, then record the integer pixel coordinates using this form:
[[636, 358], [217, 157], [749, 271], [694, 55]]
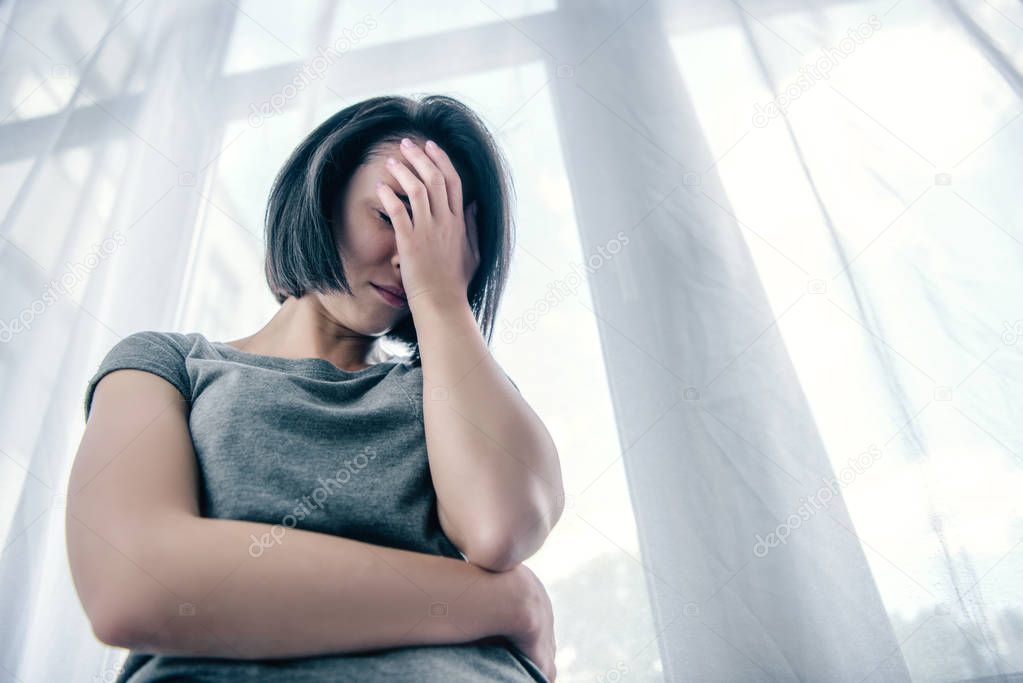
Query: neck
[[303, 328]]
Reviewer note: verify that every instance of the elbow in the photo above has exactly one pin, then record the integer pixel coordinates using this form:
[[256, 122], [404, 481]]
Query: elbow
[[501, 548], [128, 614], [496, 552], [95, 581], [123, 612], [118, 602], [117, 628], [112, 631]]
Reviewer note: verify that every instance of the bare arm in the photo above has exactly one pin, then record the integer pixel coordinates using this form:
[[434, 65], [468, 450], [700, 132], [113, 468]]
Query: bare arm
[[493, 462], [154, 576]]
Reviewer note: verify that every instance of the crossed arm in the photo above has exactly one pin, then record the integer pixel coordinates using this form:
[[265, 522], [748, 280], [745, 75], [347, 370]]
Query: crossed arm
[[155, 576]]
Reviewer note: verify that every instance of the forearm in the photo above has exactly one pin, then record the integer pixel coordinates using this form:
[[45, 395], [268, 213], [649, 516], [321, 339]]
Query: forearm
[[493, 462], [313, 594]]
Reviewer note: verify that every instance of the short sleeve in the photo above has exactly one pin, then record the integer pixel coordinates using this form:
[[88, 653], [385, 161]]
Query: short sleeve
[[156, 352]]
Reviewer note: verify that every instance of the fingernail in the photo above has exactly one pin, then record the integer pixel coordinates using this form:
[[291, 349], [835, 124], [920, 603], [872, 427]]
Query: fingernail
[[431, 144], [391, 161], [405, 142]]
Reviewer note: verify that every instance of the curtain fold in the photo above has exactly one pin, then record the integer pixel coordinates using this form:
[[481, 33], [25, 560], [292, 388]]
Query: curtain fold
[[124, 195], [717, 438]]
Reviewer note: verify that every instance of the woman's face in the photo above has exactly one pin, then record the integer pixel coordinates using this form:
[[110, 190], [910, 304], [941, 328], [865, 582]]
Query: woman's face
[[368, 247]]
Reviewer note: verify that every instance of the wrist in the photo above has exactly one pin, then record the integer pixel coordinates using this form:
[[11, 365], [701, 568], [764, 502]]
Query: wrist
[[517, 593], [438, 302], [498, 604]]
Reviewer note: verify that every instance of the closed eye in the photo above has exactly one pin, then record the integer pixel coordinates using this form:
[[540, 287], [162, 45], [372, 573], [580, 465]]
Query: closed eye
[[384, 216]]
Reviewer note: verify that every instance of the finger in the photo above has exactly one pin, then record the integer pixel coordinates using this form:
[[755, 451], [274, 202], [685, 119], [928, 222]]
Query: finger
[[395, 208], [431, 175], [414, 189], [451, 177]]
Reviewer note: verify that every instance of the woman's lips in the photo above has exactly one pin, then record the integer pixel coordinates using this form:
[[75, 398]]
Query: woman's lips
[[392, 299]]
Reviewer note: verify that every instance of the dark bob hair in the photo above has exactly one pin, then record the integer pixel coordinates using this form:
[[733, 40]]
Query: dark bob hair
[[301, 253]]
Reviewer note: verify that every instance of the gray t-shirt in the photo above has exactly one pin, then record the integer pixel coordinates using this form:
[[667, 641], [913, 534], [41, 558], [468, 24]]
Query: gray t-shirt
[[300, 442]]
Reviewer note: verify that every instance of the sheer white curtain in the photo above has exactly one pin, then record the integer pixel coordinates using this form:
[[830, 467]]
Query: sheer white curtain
[[879, 203], [106, 137], [778, 346]]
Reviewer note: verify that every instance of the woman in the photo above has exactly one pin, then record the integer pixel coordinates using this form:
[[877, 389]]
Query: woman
[[268, 507]]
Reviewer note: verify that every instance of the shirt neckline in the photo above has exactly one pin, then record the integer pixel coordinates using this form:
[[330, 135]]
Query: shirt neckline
[[282, 363]]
